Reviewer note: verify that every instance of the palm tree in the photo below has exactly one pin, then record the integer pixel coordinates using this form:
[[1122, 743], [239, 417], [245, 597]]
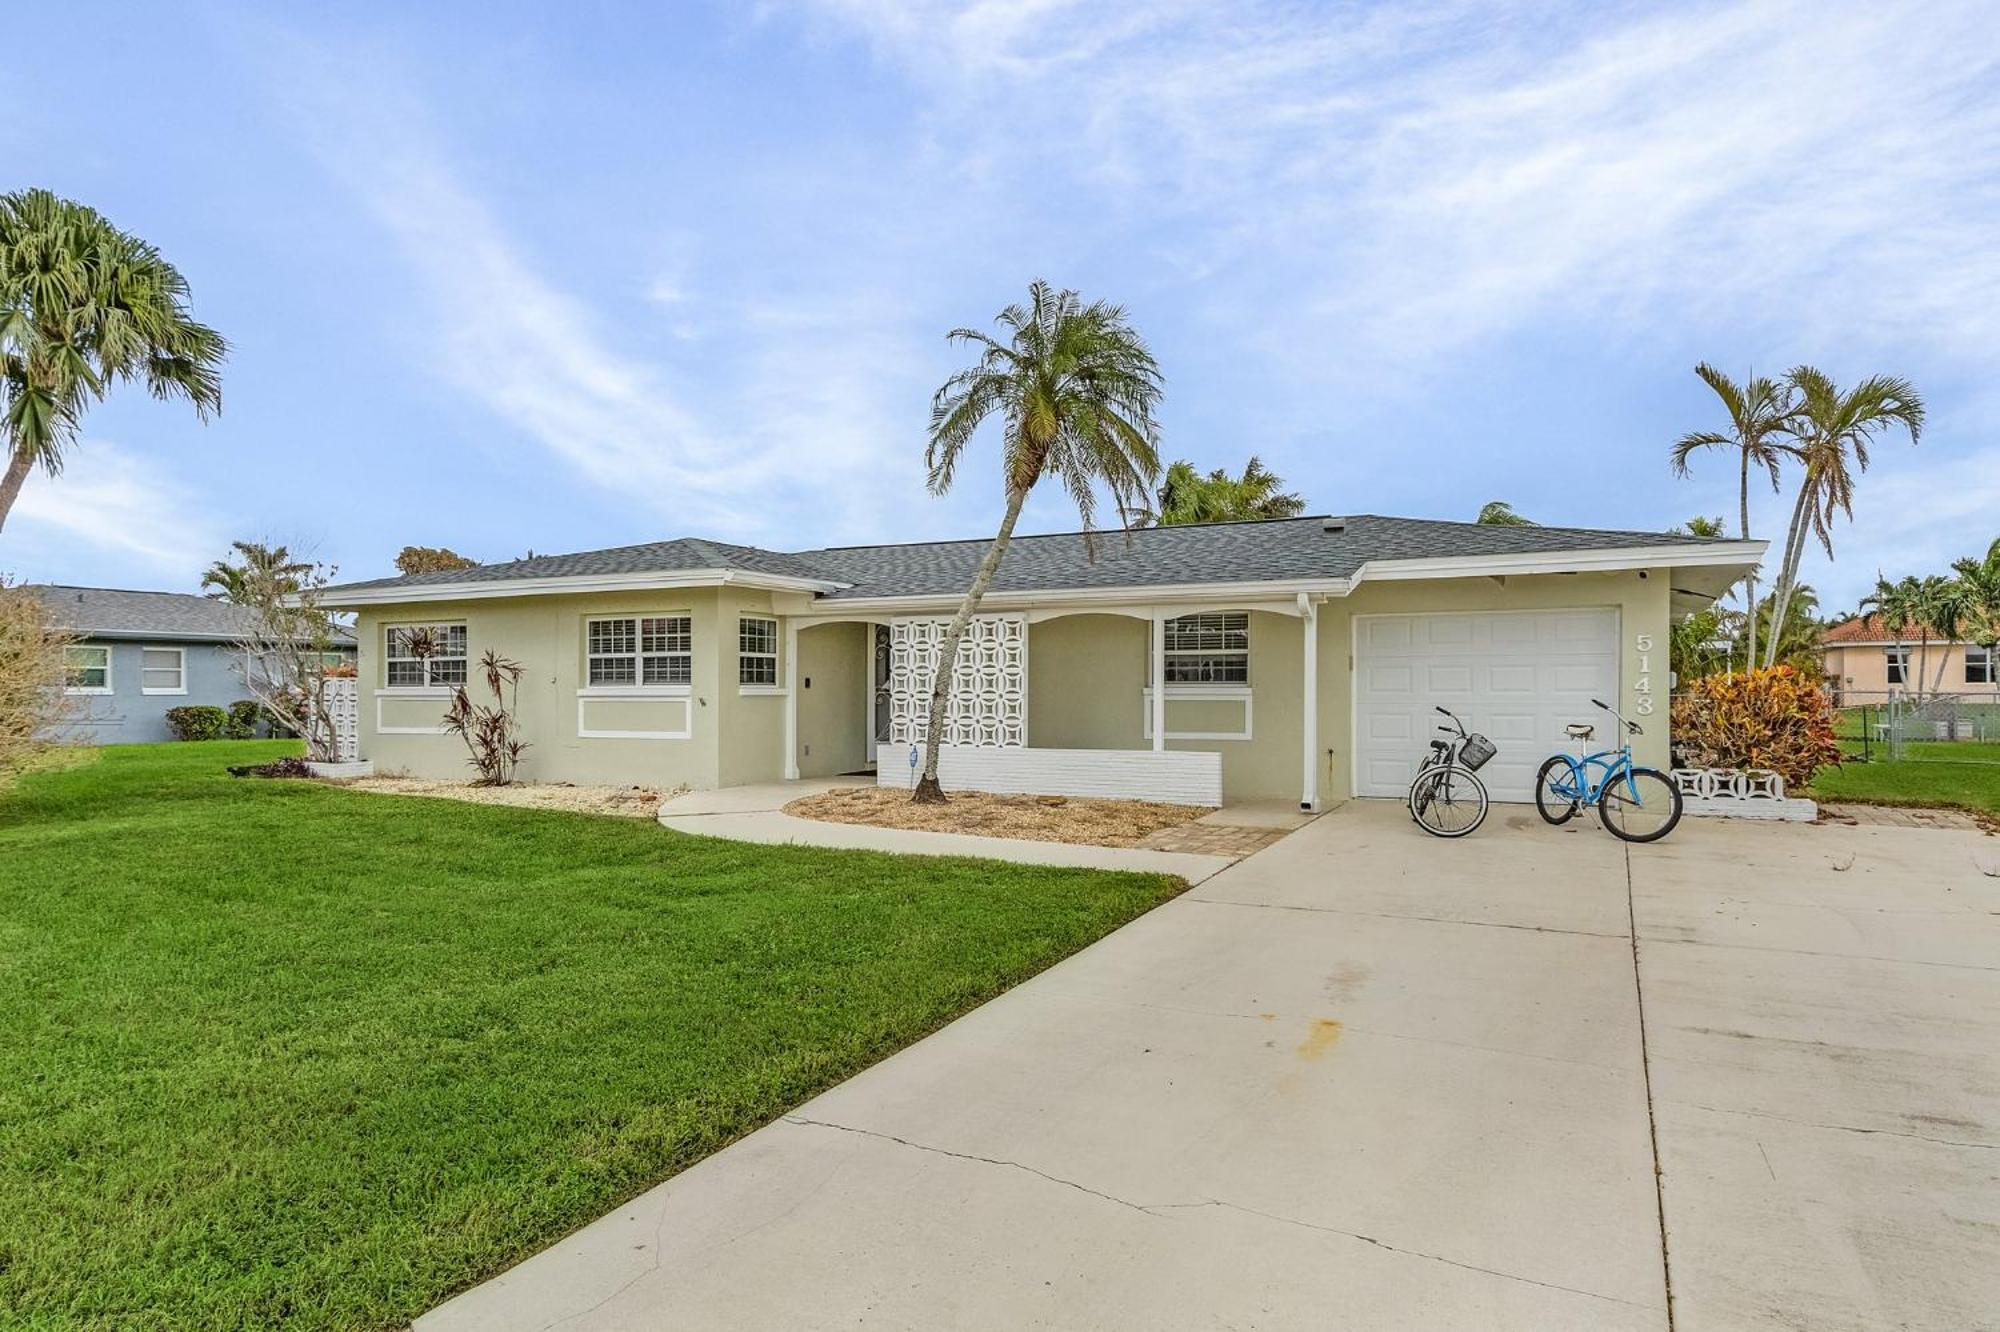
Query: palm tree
[[1758, 410], [1797, 636], [1827, 425], [1940, 610], [1076, 389], [1896, 605], [84, 306], [1980, 581], [258, 569], [1499, 513], [1187, 496]]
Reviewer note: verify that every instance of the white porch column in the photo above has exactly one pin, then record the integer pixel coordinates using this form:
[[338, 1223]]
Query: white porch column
[[1309, 622], [1159, 681], [792, 699]]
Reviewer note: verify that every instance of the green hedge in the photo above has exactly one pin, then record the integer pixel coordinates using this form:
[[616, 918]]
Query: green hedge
[[199, 722]]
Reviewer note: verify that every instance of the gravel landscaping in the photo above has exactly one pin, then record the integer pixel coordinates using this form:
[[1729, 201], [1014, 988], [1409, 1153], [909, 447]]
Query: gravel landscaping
[[1031, 818], [635, 802]]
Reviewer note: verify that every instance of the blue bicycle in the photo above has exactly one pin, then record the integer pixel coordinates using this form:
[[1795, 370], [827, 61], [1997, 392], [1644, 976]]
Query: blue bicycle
[[1636, 804]]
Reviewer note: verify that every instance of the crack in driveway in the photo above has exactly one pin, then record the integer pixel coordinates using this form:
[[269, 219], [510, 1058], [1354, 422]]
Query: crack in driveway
[[1159, 1210]]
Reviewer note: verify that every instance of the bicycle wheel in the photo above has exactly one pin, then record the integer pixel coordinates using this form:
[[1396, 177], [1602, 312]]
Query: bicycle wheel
[[1447, 801], [1556, 793], [1642, 805]]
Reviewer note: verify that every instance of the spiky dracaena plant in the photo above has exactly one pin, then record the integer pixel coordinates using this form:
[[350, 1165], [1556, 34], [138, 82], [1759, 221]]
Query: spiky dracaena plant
[[1075, 389], [83, 307], [491, 734]]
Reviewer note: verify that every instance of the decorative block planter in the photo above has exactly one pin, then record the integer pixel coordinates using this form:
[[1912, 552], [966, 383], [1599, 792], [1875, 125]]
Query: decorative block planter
[[1740, 793], [337, 771]]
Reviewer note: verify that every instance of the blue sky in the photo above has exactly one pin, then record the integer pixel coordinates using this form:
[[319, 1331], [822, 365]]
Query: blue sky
[[504, 276]]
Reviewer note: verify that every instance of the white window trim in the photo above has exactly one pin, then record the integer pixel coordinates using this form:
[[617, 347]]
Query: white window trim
[[92, 690], [637, 656], [429, 688], [181, 671], [1896, 662], [1987, 655], [759, 688], [1200, 694], [682, 694]]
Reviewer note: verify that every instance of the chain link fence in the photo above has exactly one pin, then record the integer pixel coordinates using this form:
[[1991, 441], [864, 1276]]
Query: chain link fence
[[1902, 726]]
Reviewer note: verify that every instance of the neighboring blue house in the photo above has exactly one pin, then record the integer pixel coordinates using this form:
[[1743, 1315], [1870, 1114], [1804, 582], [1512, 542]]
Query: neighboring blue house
[[141, 653]]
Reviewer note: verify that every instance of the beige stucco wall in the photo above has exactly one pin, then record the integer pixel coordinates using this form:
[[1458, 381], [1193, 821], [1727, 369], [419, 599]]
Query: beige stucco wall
[[545, 634], [1088, 673], [834, 670], [1861, 672]]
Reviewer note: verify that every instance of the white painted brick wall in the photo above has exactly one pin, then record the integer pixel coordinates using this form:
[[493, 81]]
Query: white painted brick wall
[[1174, 777]]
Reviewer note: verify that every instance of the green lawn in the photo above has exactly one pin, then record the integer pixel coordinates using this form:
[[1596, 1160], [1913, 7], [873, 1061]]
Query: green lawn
[[281, 1054], [1965, 774]]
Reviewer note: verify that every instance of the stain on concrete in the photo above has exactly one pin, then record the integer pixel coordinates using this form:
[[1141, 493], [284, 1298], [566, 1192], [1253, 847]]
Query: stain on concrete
[[1320, 1038], [1346, 980]]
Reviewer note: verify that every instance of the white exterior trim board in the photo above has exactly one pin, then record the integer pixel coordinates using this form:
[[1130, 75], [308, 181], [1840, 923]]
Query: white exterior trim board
[[1173, 776]]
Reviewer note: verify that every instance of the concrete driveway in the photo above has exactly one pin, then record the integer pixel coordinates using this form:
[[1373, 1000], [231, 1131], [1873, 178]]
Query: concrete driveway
[[1367, 1079]]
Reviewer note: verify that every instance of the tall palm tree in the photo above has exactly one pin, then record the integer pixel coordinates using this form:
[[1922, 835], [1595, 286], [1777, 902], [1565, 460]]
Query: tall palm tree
[[1188, 496], [1896, 605], [1831, 431], [85, 306], [1076, 390], [1941, 607], [1499, 513], [1758, 409], [257, 570], [1980, 581]]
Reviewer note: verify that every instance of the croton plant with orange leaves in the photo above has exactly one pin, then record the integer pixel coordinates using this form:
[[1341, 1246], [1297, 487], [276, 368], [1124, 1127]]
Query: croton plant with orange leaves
[[1777, 718]]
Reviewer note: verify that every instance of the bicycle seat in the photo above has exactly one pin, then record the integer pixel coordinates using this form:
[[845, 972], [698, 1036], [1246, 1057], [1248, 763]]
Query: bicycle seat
[[1579, 730]]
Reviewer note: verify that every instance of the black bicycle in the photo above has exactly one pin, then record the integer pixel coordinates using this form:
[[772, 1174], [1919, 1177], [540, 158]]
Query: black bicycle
[[1447, 799]]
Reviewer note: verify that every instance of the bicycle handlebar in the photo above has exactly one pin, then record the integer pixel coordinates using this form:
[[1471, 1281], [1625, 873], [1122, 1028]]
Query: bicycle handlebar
[[1631, 727]]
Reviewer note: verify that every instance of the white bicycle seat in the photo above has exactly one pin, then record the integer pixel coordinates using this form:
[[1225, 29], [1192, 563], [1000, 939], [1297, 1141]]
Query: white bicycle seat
[[1579, 730]]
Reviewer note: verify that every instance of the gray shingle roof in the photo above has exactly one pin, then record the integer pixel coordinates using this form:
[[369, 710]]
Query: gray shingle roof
[[1292, 548], [111, 612]]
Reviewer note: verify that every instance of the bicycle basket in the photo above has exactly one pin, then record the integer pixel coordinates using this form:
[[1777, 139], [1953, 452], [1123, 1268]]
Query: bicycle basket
[[1475, 751]]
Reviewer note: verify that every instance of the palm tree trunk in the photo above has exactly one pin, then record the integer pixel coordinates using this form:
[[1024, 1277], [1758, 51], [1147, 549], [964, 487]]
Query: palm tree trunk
[[10, 484], [1749, 579], [1923, 659], [1781, 591], [928, 791]]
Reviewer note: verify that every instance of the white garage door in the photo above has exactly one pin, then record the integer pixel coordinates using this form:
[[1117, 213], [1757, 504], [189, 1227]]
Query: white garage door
[[1518, 677]]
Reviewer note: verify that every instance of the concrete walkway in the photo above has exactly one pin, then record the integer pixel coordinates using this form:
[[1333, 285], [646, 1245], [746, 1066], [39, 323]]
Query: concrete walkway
[[1368, 1079], [756, 814]]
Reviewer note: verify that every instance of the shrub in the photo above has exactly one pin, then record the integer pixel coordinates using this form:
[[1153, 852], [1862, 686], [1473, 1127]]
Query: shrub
[[245, 716], [1777, 718], [491, 734], [199, 722], [284, 767], [33, 666]]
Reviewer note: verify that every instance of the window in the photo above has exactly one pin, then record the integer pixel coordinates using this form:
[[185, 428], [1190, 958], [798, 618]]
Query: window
[[1212, 647], [757, 651], [1978, 665], [162, 670], [87, 670], [422, 656], [1899, 663], [639, 650]]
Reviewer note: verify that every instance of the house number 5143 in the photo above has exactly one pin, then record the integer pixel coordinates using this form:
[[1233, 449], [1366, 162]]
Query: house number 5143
[[1642, 687]]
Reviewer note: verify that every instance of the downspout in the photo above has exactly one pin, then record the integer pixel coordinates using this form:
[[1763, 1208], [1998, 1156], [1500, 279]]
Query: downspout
[[1309, 621]]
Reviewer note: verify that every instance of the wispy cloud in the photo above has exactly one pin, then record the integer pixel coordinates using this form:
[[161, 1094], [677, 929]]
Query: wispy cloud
[[108, 509]]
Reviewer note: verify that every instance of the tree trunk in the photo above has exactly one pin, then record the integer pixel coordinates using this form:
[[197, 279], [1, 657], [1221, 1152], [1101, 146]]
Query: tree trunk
[[928, 791], [1749, 579], [1781, 591], [1923, 660], [10, 484]]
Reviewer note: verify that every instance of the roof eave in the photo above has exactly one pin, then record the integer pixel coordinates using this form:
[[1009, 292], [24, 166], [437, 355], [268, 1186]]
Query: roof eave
[[392, 594]]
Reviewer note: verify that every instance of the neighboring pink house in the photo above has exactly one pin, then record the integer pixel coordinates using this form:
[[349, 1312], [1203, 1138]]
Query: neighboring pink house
[[1865, 659]]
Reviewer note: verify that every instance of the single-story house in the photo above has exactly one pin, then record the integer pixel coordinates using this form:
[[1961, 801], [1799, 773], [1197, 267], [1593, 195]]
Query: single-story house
[[138, 654], [1864, 659], [1295, 659]]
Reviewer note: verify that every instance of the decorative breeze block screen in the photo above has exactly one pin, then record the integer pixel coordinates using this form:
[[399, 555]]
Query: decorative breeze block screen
[[989, 690]]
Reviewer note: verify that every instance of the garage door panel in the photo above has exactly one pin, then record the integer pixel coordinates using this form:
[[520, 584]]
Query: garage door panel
[[1518, 677]]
